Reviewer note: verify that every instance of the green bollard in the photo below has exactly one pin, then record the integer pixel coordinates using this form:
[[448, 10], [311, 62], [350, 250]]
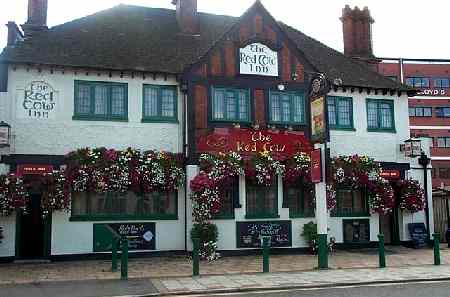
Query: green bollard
[[124, 262], [195, 256], [322, 252], [266, 250], [437, 254], [381, 251], [114, 254]]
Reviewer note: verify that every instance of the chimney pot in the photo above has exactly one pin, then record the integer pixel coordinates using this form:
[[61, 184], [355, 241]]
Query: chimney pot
[[357, 32], [37, 16], [187, 16]]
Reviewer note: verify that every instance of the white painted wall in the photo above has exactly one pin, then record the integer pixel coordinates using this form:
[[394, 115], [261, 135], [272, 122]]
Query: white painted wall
[[61, 135], [7, 245], [77, 237]]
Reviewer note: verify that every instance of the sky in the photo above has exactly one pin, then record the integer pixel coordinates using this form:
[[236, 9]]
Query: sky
[[402, 28]]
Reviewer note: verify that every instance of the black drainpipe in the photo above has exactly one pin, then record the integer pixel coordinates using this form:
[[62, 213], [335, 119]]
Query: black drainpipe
[[424, 161], [183, 121]]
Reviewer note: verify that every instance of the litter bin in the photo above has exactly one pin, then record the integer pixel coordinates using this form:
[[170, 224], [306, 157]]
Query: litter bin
[[447, 236]]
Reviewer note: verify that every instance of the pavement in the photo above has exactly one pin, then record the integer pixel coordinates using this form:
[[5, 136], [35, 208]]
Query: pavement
[[181, 266], [94, 278], [421, 289]]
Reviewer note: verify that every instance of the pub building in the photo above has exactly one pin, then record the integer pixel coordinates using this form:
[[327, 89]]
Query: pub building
[[188, 82]]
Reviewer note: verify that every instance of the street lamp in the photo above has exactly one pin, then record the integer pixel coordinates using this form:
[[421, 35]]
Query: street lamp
[[5, 134], [424, 161], [412, 148]]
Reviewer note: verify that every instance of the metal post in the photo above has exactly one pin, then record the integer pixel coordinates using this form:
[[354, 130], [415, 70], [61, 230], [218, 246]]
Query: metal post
[[124, 262], [266, 249], [437, 254], [381, 252], [195, 256], [322, 214], [114, 243]]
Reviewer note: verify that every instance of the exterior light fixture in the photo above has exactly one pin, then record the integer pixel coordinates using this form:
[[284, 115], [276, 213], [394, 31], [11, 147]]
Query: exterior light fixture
[[281, 87], [412, 148], [5, 134]]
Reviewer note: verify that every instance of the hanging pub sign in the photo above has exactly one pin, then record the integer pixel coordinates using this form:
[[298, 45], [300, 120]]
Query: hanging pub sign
[[316, 166], [37, 101], [318, 90], [249, 142], [258, 59]]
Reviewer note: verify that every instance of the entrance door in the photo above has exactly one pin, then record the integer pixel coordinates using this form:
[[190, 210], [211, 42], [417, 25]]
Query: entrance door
[[386, 227], [389, 227], [440, 215], [32, 230]]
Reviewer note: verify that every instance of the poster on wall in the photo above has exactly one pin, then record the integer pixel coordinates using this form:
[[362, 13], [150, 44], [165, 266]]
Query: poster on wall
[[141, 236], [38, 101], [258, 59], [249, 233]]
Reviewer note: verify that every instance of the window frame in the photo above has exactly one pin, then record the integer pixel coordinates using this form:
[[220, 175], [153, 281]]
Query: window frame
[[291, 104], [379, 102], [417, 78], [440, 111], [265, 214], [338, 126], [435, 79], [301, 201], [91, 116], [234, 196], [423, 111], [160, 118], [445, 138], [129, 217], [236, 92], [364, 193]]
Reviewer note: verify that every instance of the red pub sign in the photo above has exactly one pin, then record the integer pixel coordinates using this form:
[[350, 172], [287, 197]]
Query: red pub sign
[[390, 174], [33, 169], [249, 141], [316, 166]]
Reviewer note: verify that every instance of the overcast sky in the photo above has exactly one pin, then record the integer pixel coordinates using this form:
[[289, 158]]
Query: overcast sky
[[402, 28]]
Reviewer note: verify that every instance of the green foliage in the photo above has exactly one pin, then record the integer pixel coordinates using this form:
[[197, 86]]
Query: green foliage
[[205, 232], [310, 232]]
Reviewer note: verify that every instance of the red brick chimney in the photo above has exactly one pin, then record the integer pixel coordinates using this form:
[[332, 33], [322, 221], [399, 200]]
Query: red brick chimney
[[187, 16], [37, 17], [357, 31]]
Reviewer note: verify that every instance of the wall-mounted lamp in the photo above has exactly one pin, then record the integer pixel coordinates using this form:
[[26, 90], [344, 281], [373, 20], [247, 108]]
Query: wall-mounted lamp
[[412, 147], [281, 87]]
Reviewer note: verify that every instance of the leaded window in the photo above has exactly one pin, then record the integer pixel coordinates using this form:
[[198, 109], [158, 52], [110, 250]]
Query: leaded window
[[100, 101]]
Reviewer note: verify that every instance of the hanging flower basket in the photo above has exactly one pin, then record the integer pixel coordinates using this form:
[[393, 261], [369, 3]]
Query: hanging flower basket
[[56, 194], [102, 170], [360, 172], [412, 196], [13, 195], [263, 169]]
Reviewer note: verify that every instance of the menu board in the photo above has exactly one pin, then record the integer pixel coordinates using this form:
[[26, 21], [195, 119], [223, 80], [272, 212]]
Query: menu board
[[419, 234], [249, 233], [141, 236]]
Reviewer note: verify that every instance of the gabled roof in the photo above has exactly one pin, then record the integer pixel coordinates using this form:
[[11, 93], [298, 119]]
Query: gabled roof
[[134, 38]]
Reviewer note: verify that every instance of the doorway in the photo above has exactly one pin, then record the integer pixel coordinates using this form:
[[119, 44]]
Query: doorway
[[389, 227], [32, 229]]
